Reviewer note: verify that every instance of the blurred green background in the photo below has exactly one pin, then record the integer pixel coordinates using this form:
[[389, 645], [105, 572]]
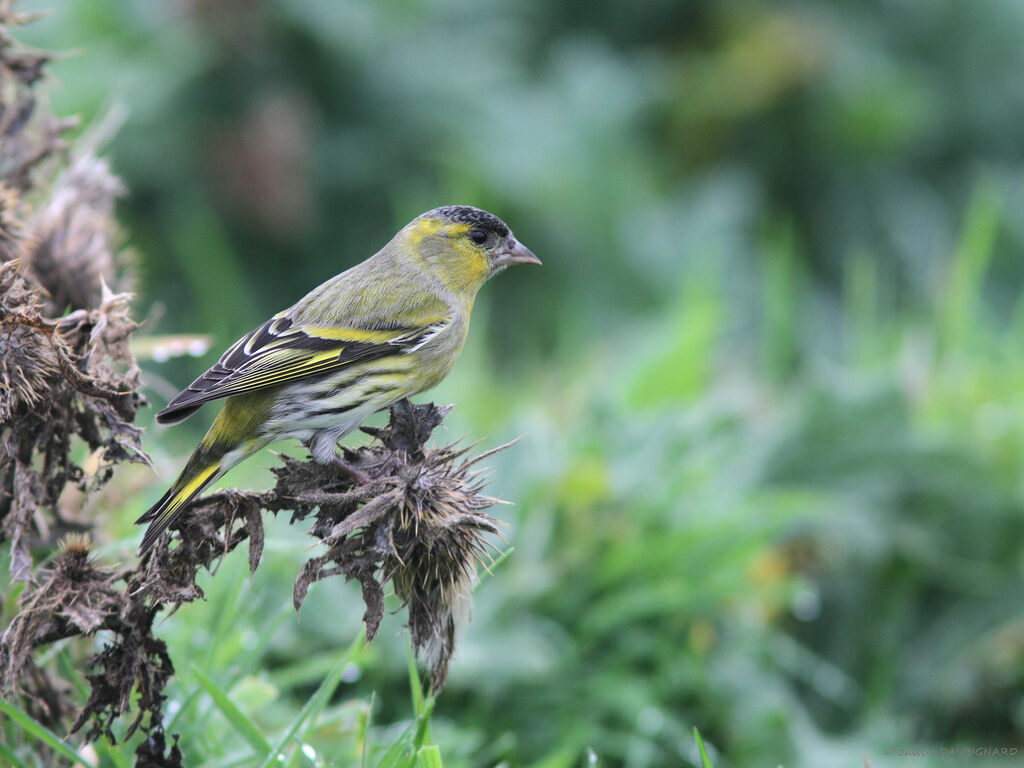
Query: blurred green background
[[768, 378]]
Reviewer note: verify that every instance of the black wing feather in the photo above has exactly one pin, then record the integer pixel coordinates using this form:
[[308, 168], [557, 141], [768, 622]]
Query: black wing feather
[[236, 370]]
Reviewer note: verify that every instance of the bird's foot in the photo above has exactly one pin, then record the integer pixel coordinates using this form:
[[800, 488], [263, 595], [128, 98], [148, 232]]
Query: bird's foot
[[354, 472], [385, 466]]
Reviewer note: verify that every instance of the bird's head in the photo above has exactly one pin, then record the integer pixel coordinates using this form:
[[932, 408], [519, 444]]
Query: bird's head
[[464, 246]]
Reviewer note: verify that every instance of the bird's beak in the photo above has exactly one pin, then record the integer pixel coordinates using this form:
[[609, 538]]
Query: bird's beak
[[516, 253]]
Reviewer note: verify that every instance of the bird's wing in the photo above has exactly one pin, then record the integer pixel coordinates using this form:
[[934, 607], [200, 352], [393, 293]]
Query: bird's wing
[[280, 351]]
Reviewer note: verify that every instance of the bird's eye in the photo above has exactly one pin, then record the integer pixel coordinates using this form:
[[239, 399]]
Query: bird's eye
[[478, 236]]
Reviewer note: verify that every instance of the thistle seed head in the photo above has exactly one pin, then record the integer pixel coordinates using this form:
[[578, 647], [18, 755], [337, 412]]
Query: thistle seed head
[[74, 561], [28, 365], [417, 521], [73, 239]]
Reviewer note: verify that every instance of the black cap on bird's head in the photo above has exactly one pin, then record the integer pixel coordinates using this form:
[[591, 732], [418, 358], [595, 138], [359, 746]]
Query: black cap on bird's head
[[474, 217], [487, 230]]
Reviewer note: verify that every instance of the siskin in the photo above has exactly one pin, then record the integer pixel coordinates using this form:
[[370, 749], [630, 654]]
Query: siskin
[[383, 330]]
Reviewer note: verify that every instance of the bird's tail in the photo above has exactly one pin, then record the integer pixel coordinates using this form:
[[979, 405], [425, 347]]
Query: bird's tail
[[233, 437], [201, 470]]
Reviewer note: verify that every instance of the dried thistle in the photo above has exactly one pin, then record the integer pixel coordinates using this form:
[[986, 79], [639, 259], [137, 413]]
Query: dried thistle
[[29, 133], [75, 597], [417, 521], [72, 597], [28, 364], [68, 378], [72, 378], [167, 575], [11, 246], [73, 241], [61, 379], [137, 661]]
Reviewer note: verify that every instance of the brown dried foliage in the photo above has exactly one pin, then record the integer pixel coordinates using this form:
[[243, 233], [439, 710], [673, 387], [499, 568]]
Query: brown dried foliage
[[66, 372], [76, 597], [67, 377], [29, 133], [63, 380], [415, 519]]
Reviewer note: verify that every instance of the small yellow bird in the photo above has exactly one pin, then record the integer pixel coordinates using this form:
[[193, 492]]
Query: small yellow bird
[[381, 331]]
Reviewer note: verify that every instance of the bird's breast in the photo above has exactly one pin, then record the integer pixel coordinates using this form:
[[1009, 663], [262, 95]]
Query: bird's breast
[[437, 353]]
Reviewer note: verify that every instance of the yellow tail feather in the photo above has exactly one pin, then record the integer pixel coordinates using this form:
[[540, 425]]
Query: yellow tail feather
[[162, 514]]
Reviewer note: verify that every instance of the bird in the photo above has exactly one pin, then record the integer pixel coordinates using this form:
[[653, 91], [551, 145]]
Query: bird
[[386, 329]]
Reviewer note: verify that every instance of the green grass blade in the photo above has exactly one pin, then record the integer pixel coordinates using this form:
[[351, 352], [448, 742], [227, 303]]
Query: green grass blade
[[780, 288], [401, 748], [114, 755], [69, 672], [323, 698], [40, 732], [246, 662], [364, 728], [705, 761], [316, 702], [429, 757], [422, 705], [422, 737], [404, 751], [415, 685], [301, 673], [239, 721], [491, 567], [970, 264], [226, 619], [192, 697]]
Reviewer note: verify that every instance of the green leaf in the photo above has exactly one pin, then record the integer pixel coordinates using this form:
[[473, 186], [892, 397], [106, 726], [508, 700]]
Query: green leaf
[[681, 368], [429, 757], [41, 732], [241, 723], [316, 702]]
